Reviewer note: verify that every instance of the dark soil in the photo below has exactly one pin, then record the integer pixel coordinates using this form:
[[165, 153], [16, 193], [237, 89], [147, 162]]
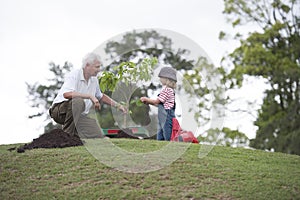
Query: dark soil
[[57, 138], [126, 133]]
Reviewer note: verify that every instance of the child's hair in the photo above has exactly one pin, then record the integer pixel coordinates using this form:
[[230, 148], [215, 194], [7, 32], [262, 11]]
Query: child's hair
[[168, 82]]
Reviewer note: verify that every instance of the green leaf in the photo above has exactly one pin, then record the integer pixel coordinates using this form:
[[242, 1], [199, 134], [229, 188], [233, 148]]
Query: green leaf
[[139, 103]]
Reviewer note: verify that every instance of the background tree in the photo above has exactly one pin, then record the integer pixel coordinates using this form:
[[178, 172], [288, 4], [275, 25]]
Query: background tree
[[139, 45], [273, 54], [136, 46], [41, 96], [225, 137]]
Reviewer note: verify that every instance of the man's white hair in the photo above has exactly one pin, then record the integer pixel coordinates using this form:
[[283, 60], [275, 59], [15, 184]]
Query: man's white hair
[[90, 58]]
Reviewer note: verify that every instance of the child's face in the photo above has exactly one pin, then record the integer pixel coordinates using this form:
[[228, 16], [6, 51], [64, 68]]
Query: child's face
[[162, 80]]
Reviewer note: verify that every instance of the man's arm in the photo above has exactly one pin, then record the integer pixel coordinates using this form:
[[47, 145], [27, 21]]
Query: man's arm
[[107, 100], [70, 95]]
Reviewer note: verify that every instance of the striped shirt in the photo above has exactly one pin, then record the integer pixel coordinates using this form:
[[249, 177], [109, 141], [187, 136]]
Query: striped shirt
[[167, 97]]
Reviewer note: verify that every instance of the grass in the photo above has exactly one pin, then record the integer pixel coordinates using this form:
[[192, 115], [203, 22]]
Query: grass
[[73, 173]]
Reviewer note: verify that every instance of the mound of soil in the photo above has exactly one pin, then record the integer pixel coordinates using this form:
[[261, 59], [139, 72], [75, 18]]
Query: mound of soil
[[57, 138], [126, 133]]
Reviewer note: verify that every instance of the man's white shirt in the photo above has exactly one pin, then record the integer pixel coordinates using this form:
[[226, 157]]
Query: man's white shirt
[[75, 82]]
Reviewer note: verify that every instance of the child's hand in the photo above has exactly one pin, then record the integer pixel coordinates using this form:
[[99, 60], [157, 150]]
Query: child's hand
[[144, 99]]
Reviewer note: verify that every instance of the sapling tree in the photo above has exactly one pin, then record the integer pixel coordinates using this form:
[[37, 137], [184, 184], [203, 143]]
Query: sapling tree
[[124, 80]]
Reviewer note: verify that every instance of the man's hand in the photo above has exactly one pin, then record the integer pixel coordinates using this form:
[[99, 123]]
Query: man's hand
[[96, 103], [123, 109], [120, 107]]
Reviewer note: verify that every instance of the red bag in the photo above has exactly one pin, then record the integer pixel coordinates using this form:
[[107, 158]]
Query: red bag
[[179, 135]]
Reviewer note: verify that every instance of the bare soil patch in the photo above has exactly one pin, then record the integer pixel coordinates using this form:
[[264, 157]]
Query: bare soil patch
[[57, 138]]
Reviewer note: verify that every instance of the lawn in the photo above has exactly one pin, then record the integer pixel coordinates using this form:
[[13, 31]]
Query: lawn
[[74, 173]]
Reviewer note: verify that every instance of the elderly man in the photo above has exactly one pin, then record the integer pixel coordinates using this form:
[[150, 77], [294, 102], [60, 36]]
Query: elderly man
[[78, 94]]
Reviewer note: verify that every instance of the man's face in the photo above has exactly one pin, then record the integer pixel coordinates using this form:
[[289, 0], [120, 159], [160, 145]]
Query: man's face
[[94, 69]]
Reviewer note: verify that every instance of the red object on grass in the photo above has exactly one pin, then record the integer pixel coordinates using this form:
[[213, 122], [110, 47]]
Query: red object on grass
[[113, 131], [180, 135]]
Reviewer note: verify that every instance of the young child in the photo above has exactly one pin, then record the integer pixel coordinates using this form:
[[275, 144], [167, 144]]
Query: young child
[[165, 102]]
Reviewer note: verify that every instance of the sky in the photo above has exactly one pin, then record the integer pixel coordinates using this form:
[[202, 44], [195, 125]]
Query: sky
[[34, 33]]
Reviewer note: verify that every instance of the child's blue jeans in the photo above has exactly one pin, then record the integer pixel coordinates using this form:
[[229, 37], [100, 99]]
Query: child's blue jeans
[[165, 117]]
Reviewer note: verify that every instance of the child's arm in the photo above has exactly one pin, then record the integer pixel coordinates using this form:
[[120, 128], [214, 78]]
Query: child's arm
[[150, 101]]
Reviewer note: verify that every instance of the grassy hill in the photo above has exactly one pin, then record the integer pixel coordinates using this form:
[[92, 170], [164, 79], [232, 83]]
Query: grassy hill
[[73, 173]]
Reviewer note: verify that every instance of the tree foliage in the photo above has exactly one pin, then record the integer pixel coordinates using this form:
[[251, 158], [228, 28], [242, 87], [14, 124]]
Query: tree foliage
[[128, 73], [139, 45], [225, 137], [274, 54], [123, 81], [134, 47]]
